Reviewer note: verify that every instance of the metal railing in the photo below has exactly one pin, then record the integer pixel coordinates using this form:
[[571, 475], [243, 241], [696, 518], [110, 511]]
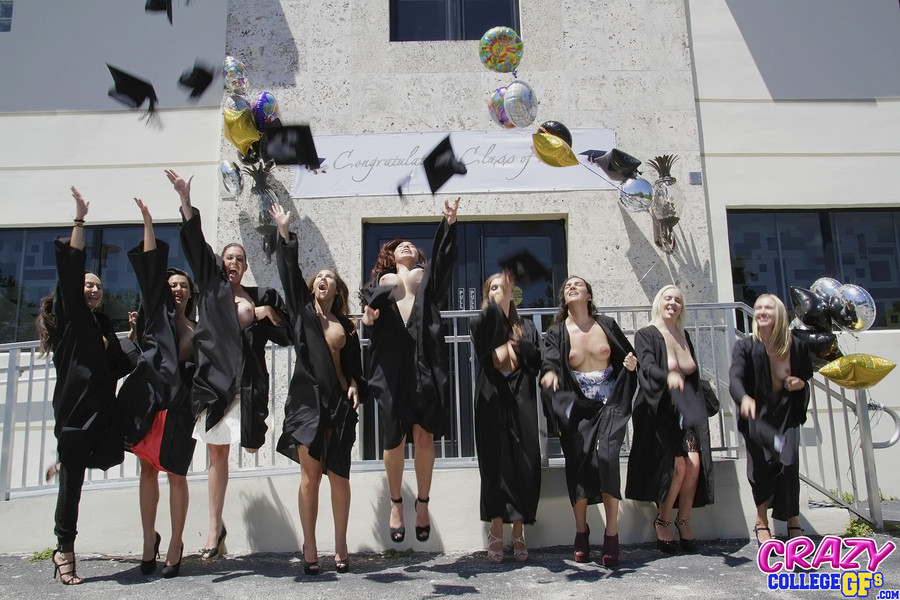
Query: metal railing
[[28, 445]]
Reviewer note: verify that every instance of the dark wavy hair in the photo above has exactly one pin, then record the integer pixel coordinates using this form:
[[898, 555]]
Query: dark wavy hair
[[562, 312], [384, 262], [340, 307], [514, 320], [190, 305], [45, 323]]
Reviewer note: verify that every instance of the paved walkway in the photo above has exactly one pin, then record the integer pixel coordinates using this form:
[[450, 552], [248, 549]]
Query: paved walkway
[[723, 569]]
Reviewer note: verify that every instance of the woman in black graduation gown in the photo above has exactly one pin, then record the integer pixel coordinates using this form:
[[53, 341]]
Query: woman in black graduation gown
[[158, 392], [506, 428], [320, 412], [768, 376], [88, 360], [588, 368], [230, 391], [408, 373], [670, 461]]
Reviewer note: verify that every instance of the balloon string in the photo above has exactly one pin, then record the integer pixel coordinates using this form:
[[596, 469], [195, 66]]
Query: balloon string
[[607, 180]]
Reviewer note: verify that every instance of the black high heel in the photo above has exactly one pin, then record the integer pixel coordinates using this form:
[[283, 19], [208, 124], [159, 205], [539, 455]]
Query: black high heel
[[424, 532], [342, 565], [148, 566], [664, 546], [170, 571], [211, 553], [688, 545], [790, 529], [398, 534], [310, 568], [68, 576]]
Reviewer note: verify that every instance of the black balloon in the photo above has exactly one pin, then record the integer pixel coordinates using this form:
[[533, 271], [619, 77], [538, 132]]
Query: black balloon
[[252, 157], [559, 130], [810, 308], [823, 346], [843, 312]]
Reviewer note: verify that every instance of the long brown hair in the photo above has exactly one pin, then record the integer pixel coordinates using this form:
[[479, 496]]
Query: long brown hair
[[340, 307], [562, 312], [385, 263], [45, 322], [190, 304], [513, 317]]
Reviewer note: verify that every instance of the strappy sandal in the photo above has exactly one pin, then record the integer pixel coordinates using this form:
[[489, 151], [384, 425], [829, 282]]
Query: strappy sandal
[[398, 534], [687, 544], [424, 532], [495, 556], [66, 576], [756, 531], [664, 546], [800, 529], [520, 552]]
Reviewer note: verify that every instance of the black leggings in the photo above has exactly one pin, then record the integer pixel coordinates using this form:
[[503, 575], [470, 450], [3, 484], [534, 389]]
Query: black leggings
[[71, 479]]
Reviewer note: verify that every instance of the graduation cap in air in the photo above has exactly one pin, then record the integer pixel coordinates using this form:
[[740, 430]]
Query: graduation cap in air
[[441, 164], [132, 91], [524, 265], [615, 163], [290, 145], [159, 6], [197, 79]]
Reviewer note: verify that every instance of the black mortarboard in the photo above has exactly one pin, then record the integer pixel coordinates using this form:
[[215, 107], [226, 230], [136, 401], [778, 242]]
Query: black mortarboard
[[131, 91], [197, 79], [525, 266], [615, 163], [441, 164], [158, 6], [290, 145]]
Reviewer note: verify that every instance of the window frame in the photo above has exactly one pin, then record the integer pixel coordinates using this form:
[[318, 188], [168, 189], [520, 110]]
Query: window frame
[[454, 14]]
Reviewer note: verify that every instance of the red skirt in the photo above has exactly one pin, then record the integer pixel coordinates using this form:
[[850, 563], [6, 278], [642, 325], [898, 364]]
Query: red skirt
[[148, 448]]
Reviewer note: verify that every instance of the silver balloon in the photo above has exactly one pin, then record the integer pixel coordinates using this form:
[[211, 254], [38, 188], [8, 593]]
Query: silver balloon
[[825, 287], [231, 178], [235, 102], [520, 103], [636, 195], [853, 308]]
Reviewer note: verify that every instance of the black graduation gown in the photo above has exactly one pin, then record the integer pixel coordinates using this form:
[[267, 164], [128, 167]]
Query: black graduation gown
[[658, 424], [159, 382], [316, 402], [772, 472], [88, 424], [229, 360], [591, 435], [408, 371], [506, 428]]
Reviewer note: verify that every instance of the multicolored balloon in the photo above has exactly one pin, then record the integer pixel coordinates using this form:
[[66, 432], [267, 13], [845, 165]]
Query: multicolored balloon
[[235, 75], [240, 129], [857, 371], [265, 110], [501, 49], [520, 103], [495, 108]]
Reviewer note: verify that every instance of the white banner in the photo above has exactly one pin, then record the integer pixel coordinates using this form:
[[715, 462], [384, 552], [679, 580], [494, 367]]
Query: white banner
[[497, 161]]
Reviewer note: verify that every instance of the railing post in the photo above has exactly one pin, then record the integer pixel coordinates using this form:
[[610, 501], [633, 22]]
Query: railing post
[[9, 423], [868, 456]]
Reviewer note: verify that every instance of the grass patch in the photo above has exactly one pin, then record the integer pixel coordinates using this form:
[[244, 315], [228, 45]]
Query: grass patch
[[846, 497], [858, 528], [41, 555]]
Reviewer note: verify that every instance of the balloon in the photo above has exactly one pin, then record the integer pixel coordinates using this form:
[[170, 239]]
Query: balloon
[[852, 308], [501, 49], [495, 108], [553, 150], [559, 130], [231, 178], [240, 129], [252, 156], [636, 194], [265, 110], [857, 371], [823, 345], [810, 309], [520, 103], [235, 75], [825, 287], [235, 102]]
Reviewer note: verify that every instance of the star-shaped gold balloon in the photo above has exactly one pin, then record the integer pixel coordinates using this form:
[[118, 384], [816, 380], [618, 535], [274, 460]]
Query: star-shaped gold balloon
[[857, 371]]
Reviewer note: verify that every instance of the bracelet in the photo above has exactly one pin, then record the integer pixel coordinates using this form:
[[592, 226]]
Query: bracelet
[[80, 221]]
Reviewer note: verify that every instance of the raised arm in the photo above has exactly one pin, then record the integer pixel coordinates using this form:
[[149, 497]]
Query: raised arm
[[81, 210], [149, 237], [184, 192], [296, 293]]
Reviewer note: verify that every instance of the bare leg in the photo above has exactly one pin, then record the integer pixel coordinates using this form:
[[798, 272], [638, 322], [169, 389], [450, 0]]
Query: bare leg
[[148, 493], [793, 527], [665, 509], [611, 508], [178, 506], [687, 493], [310, 478], [424, 465], [495, 541], [340, 509], [520, 548], [762, 530], [393, 467], [580, 510], [218, 484]]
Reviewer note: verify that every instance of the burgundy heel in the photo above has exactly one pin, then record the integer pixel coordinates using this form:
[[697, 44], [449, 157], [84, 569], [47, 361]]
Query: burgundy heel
[[583, 546], [610, 557]]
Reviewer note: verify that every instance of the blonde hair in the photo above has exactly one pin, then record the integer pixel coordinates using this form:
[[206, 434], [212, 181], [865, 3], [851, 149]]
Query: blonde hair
[[656, 311], [781, 335]]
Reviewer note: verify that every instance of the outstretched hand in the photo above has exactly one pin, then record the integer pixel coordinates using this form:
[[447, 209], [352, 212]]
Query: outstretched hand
[[450, 208], [145, 211], [282, 220], [181, 186], [81, 207]]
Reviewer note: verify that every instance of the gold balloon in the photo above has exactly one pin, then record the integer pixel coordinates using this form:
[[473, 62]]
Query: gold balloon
[[857, 371], [553, 150], [240, 128]]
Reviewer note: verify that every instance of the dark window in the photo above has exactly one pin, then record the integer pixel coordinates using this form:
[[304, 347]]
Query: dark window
[[774, 250], [6, 10], [424, 20], [28, 272]]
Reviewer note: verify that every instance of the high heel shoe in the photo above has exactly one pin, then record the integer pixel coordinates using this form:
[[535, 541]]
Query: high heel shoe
[[342, 565], [756, 531], [170, 571], [211, 553], [520, 553], [494, 548], [424, 532], [687, 544], [790, 529], [66, 576], [309, 567], [664, 546], [610, 556], [148, 566], [398, 534], [583, 546]]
